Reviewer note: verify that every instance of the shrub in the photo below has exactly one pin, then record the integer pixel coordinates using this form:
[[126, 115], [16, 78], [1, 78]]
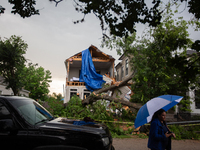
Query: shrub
[[185, 132]]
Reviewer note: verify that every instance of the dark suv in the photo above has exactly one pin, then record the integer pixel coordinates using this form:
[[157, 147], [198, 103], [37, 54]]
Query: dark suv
[[25, 124]]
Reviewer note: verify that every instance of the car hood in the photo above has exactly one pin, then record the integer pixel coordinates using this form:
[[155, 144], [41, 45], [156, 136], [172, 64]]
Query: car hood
[[64, 124]]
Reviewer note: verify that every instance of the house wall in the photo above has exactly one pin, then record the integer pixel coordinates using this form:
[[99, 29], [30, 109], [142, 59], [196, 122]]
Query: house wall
[[79, 90], [122, 93], [191, 93], [119, 69], [4, 91], [125, 75], [74, 72], [24, 93], [118, 72], [74, 67]]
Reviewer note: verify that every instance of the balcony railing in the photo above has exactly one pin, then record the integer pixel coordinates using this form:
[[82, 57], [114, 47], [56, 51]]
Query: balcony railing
[[72, 83]]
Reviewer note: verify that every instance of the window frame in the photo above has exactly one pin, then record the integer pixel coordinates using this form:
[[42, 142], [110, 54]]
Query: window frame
[[73, 90], [122, 72], [126, 67], [197, 103]]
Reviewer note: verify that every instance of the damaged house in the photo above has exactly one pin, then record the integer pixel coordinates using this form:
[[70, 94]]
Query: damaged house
[[81, 66], [123, 71]]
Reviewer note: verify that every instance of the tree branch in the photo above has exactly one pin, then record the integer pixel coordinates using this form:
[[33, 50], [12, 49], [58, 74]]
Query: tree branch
[[92, 98], [56, 1], [115, 86], [95, 95]]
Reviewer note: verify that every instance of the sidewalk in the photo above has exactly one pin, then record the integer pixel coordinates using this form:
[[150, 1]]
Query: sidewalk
[[141, 144]]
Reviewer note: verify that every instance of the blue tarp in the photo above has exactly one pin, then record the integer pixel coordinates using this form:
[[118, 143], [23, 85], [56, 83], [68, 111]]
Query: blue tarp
[[88, 73], [80, 123]]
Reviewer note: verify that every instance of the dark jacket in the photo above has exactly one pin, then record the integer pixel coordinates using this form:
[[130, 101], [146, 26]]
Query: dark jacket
[[157, 138]]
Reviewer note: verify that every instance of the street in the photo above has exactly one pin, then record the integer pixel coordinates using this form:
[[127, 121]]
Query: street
[[141, 144]]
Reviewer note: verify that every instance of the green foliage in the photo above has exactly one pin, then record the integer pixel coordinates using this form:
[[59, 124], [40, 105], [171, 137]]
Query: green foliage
[[99, 111], [75, 108], [118, 130], [36, 80], [54, 104], [159, 60], [185, 132], [143, 136], [12, 62], [161, 67], [185, 105], [119, 16], [128, 115], [24, 8], [17, 75]]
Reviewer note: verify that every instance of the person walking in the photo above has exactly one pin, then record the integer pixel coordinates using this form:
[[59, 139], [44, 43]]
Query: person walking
[[159, 135]]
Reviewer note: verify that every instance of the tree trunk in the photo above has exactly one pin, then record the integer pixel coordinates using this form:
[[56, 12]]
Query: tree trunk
[[96, 95], [93, 98]]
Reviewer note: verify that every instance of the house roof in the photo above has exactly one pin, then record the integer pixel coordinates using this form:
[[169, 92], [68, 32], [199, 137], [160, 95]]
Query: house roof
[[121, 57], [118, 65], [100, 59], [189, 52], [96, 54]]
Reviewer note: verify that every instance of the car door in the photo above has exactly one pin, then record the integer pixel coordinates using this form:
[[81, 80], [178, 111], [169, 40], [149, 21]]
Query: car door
[[11, 135]]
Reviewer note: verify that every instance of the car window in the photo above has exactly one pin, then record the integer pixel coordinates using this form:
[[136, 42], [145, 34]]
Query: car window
[[3, 111], [31, 111]]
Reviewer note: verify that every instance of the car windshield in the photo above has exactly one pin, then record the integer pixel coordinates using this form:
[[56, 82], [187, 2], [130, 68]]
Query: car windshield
[[31, 111]]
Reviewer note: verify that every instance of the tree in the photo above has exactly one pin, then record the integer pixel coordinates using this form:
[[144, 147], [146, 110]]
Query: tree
[[58, 97], [12, 61], [36, 80], [160, 61], [54, 104], [96, 95], [120, 16]]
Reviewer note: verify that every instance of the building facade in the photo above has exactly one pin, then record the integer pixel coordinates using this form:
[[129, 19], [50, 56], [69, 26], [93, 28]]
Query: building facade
[[4, 91], [103, 63]]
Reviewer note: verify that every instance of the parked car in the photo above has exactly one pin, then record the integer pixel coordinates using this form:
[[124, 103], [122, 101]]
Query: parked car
[[25, 124]]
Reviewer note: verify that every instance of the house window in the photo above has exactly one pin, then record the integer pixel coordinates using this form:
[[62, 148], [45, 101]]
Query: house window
[[86, 93], [126, 67], [197, 99], [117, 75], [73, 92], [122, 72]]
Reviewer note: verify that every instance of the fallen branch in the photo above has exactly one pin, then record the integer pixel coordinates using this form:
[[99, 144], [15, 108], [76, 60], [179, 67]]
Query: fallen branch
[[115, 86], [92, 98], [96, 95]]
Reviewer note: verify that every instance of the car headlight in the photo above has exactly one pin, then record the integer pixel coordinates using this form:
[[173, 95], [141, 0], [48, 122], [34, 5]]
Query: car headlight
[[105, 141]]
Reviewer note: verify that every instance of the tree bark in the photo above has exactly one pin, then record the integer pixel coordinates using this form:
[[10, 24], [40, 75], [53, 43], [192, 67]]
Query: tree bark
[[115, 86], [96, 95], [93, 98]]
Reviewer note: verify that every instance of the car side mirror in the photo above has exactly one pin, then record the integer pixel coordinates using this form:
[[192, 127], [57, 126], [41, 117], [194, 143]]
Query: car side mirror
[[7, 125]]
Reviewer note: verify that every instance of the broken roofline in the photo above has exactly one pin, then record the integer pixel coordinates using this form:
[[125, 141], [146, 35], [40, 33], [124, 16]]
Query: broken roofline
[[100, 59], [96, 54]]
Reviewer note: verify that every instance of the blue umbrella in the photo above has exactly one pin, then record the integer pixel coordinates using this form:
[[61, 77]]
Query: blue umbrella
[[146, 112]]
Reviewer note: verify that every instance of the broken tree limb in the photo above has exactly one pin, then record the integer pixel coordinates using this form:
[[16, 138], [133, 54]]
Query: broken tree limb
[[96, 95], [92, 98], [115, 86]]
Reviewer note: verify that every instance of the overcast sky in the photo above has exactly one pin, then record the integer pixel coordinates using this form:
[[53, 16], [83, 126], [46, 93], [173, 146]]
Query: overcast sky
[[52, 37]]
